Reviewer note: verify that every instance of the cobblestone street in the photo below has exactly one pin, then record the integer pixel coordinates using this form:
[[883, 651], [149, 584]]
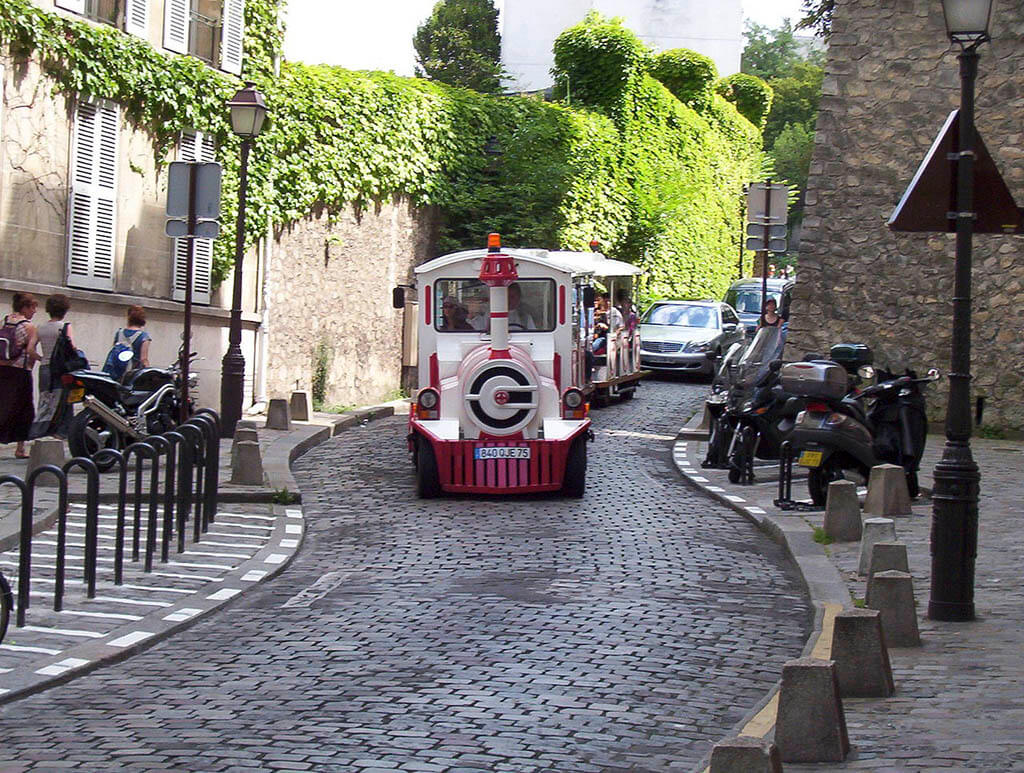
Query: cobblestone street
[[629, 630]]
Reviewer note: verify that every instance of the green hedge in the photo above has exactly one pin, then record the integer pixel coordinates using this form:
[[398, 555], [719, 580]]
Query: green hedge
[[655, 180]]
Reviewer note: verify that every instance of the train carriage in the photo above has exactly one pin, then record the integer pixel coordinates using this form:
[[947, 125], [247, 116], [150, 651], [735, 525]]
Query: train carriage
[[504, 370]]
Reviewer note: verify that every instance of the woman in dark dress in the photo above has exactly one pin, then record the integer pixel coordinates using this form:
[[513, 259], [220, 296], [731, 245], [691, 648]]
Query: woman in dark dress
[[16, 407]]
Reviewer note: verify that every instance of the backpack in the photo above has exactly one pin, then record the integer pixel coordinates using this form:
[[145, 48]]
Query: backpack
[[65, 358], [10, 349], [113, 366]]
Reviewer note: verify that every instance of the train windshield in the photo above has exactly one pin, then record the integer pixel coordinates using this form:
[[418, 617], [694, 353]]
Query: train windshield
[[463, 305]]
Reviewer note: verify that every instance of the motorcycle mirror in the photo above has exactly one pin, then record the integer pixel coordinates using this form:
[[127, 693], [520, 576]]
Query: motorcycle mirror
[[866, 372], [934, 374], [126, 356]]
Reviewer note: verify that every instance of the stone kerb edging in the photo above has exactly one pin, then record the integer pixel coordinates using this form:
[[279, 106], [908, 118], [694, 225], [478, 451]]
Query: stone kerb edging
[[825, 586], [279, 455], [136, 636]]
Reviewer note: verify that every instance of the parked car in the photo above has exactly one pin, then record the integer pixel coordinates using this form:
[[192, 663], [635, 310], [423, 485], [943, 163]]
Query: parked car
[[745, 296], [687, 336]]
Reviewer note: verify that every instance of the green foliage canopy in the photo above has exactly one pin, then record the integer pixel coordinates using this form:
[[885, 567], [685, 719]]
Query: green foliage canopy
[[751, 95], [688, 75], [459, 45]]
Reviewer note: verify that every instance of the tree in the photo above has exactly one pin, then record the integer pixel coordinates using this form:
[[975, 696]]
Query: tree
[[818, 17], [459, 45], [769, 53], [791, 153], [796, 100]]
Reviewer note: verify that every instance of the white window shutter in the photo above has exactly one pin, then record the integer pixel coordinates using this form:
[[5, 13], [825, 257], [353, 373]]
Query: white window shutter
[[76, 6], [176, 24], [194, 146], [232, 36], [92, 206], [136, 18]]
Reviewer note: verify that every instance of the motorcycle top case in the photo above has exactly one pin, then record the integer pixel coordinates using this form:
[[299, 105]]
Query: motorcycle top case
[[823, 380], [851, 356]]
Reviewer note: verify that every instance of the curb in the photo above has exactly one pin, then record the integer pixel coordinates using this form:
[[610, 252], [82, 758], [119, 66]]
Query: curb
[[826, 588], [272, 559]]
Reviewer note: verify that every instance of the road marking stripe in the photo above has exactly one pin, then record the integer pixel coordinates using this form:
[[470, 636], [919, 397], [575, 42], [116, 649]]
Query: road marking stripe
[[134, 602], [129, 639], [184, 613], [103, 615], [64, 632], [224, 594], [41, 650], [60, 667]]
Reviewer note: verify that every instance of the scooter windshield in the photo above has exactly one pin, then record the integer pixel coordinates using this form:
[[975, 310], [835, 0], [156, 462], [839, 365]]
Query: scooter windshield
[[766, 347]]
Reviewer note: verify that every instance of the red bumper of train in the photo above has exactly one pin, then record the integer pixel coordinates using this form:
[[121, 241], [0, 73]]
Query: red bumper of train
[[461, 470]]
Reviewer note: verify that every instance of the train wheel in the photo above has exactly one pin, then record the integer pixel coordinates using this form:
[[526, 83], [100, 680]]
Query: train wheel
[[575, 479], [427, 484]]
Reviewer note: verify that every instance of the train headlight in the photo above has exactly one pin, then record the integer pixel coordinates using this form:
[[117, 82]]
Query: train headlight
[[427, 402], [574, 405]]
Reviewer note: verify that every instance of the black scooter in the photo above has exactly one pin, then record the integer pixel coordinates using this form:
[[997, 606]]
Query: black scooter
[[833, 438]]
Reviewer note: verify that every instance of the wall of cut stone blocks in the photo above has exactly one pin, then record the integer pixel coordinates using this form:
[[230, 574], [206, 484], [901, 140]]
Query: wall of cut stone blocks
[[891, 80]]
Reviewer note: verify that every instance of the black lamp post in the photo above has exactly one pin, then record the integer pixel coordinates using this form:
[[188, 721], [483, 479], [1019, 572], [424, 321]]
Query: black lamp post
[[955, 494], [248, 111]]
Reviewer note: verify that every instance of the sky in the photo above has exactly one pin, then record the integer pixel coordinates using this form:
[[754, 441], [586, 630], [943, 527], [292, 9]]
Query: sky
[[362, 35]]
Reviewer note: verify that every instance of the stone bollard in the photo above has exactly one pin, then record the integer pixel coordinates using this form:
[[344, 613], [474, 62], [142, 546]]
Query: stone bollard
[[875, 530], [860, 654], [46, 451], [278, 415], [744, 754], [886, 556], [246, 464], [811, 726], [842, 512], [892, 594], [301, 406], [242, 434], [887, 491]]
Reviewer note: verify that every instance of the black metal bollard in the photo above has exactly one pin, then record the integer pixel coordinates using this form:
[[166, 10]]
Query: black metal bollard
[[92, 518]]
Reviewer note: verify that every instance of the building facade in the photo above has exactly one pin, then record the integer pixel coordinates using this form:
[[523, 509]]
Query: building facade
[[529, 29], [891, 80]]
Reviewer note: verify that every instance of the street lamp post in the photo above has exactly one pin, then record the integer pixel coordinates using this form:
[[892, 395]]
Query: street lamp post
[[248, 111], [955, 493]]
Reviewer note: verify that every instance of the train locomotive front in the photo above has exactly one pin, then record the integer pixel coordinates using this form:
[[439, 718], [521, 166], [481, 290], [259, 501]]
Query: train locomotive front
[[499, 409]]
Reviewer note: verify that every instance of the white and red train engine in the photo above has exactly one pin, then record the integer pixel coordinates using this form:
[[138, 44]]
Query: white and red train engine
[[500, 409]]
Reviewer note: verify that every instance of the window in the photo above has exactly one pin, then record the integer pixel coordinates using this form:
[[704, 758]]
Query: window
[[729, 317], [134, 13], [682, 315], [212, 30], [92, 200], [464, 305], [194, 146]]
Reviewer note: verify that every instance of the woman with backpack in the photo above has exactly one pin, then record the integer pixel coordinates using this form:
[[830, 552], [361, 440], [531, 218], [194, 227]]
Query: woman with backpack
[[133, 337], [18, 340], [54, 415]]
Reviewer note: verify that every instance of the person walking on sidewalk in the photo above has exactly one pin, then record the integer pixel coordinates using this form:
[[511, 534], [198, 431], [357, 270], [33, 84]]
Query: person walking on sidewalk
[[18, 340], [52, 415]]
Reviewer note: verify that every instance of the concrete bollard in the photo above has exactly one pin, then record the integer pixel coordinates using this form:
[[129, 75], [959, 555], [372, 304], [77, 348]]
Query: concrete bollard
[[842, 512], [278, 414], [46, 451], [860, 654], [811, 726], [887, 491], [875, 530], [242, 434], [301, 406], [888, 556], [246, 464], [892, 594], [744, 754]]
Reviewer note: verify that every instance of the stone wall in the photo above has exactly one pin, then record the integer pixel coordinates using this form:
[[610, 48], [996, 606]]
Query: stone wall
[[892, 78], [329, 282]]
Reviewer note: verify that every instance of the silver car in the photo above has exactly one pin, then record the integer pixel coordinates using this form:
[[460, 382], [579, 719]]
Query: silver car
[[687, 336]]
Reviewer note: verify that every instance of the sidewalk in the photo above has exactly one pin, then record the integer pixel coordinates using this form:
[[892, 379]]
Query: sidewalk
[[251, 540], [959, 702]]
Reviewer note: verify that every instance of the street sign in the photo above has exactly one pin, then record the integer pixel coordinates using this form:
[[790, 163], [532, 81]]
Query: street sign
[[766, 237], [205, 229], [767, 203], [207, 204]]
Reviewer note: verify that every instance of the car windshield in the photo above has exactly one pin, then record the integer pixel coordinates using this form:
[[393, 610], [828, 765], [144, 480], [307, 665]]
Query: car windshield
[[682, 315], [749, 301]]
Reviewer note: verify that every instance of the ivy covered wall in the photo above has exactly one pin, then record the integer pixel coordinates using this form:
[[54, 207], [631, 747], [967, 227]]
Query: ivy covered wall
[[657, 181]]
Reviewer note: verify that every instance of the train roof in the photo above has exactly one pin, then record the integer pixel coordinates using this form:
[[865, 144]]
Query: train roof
[[560, 260]]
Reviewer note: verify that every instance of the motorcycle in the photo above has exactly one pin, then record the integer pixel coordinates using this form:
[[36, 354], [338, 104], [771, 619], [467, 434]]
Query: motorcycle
[[145, 401], [733, 387], [836, 435]]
